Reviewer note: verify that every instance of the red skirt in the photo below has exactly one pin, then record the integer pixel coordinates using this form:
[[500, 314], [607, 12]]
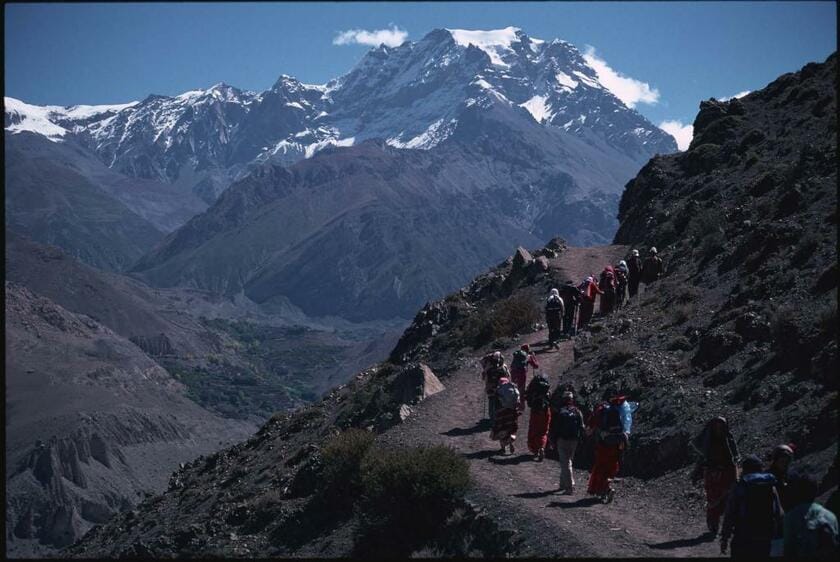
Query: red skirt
[[538, 429], [604, 468], [519, 376], [718, 482]]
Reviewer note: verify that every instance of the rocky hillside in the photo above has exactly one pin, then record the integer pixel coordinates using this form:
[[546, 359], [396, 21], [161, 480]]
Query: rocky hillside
[[761, 351], [745, 322], [92, 424], [99, 364]]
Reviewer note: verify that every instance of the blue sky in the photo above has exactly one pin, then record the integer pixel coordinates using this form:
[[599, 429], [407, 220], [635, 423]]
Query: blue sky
[[67, 54]]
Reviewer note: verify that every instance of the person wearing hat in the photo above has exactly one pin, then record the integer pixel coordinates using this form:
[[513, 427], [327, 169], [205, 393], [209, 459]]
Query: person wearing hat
[[554, 312], [753, 514], [493, 370], [519, 370], [571, 303], [634, 273], [565, 432], [621, 272], [537, 396], [719, 458], [590, 291], [810, 530], [652, 267]]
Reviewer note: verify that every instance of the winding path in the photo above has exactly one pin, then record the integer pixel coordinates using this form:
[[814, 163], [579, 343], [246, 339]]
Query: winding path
[[522, 494]]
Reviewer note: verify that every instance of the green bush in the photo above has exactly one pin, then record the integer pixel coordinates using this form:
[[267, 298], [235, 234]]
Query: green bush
[[408, 494], [342, 458], [514, 315]]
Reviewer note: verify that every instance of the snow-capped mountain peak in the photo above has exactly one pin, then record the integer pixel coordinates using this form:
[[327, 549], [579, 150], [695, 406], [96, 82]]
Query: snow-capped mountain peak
[[496, 43], [54, 121], [411, 96]]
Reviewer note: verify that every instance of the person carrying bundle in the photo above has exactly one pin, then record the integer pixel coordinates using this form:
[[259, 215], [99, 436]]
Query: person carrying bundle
[[537, 396], [505, 422]]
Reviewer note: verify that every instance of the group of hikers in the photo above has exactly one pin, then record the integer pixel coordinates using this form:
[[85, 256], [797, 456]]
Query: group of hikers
[[768, 511], [571, 307], [764, 511], [556, 421]]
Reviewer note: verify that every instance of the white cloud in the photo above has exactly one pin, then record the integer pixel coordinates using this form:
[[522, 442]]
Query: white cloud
[[681, 132], [736, 96], [389, 37], [628, 90]]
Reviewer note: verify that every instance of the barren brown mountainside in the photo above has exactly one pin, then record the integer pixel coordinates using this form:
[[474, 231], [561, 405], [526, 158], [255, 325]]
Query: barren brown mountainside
[[97, 361], [742, 324]]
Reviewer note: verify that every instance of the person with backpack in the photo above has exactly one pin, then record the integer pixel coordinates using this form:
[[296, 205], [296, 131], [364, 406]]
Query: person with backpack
[[634, 273], [522, 357], [537, 397], [589, 292], [566, 432], [753, 513], [620, 284], [652, 267], [810, 530], [494, 369], [611, 441], [607, 285], [571, 304], [719, 461], [780, 460], [505, 423], [554, 313]]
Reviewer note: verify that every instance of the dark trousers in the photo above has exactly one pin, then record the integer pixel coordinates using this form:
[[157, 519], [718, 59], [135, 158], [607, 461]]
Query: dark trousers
[[555, 325], [586, 310], [569, 326], [633, 286]]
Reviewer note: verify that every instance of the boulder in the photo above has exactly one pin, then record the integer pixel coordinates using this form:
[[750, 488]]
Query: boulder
[[752, 327], [716, 347], [414, 384], [404, 411], [521, 258], [538, 267]]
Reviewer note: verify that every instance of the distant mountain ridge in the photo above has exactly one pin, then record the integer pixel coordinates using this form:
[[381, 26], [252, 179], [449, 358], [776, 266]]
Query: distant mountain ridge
[[351, 198], [410, 96]]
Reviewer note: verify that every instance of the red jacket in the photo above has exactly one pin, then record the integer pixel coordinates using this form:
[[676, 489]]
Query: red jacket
[[592, 291]]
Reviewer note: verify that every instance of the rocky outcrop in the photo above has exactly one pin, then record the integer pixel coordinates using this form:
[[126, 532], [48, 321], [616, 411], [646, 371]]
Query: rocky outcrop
[[415, 383]]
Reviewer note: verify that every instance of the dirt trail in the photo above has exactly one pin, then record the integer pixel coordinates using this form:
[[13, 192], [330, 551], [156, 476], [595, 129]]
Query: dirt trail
[[521, 493]]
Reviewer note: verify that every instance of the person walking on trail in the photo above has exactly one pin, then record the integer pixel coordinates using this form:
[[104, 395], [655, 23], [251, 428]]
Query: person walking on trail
[[537, 396], [590, 291], [607, 285], [522, 357], [612, 440], [494, 369], [753, 513], [634, 273], [566, 432], [505, 422], [810, 530], [719, 460], [571, 304], [780, 460], [652, 267], [620, 284], [554, 313]]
